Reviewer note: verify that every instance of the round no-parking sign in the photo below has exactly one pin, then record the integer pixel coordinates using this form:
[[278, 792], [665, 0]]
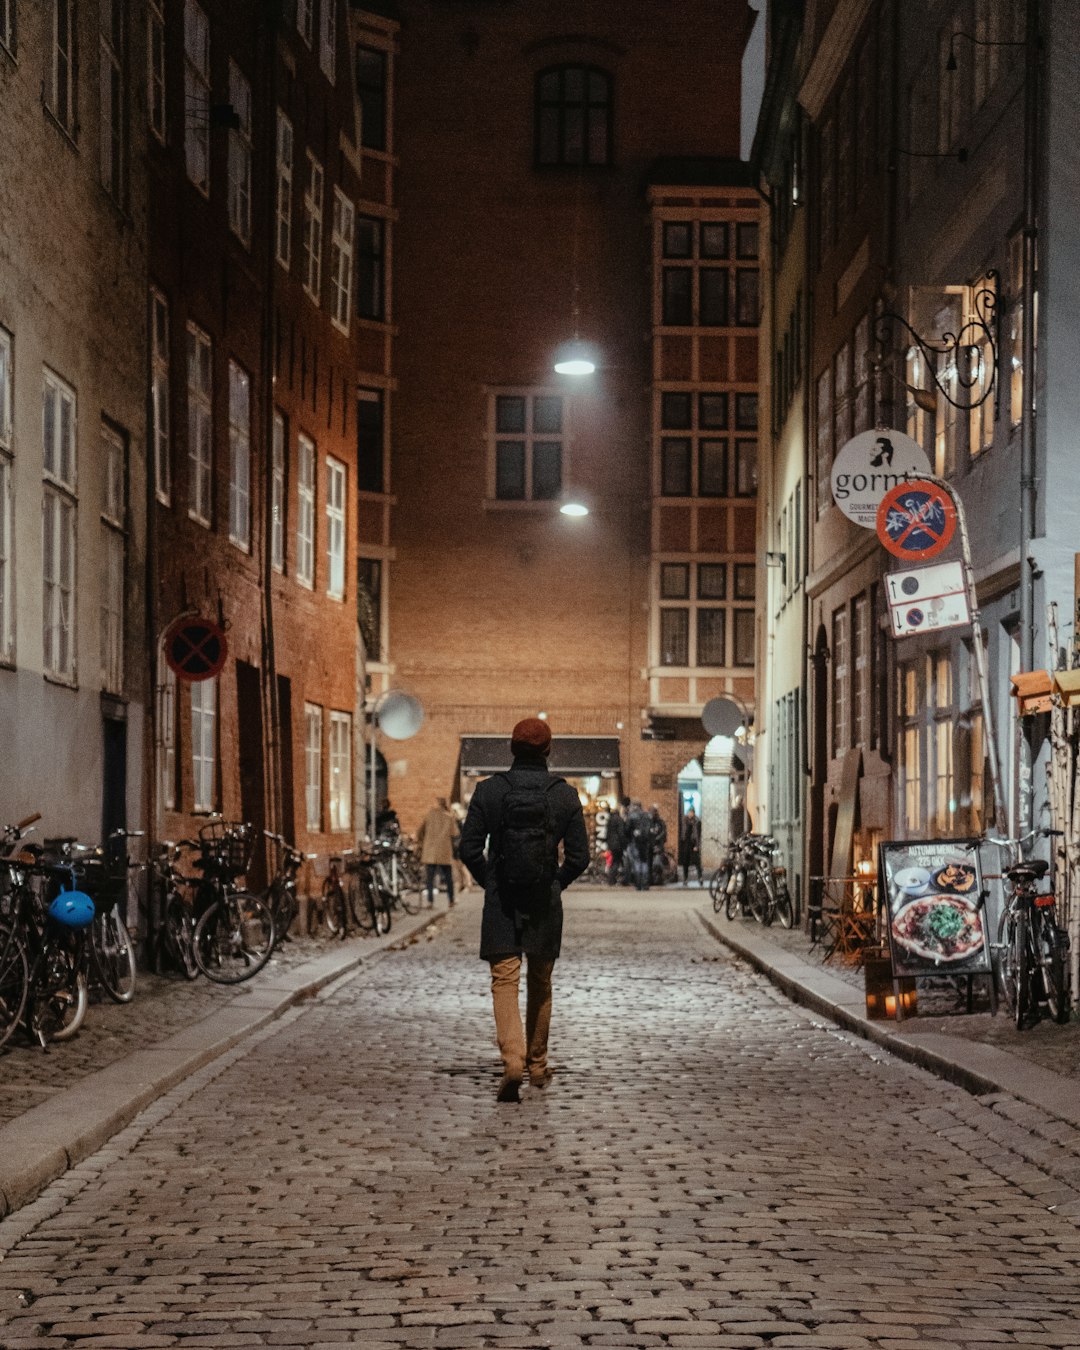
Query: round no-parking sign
[[916, 520], [195, 649]]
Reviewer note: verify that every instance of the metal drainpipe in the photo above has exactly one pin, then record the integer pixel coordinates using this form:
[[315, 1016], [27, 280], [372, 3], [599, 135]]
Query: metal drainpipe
[[1025, 802]]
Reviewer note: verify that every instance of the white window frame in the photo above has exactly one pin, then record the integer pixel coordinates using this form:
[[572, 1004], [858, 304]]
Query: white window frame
[[239, 457], [239, 202], [335, 528], [59, 527], [305, 20], [63, 88], [313, 720], [341, 260], [113, 109], [840, 691], [200, 389], [306, 459], [691, 605], [197, 98], [159, 396], [59, 447], [340, 771], [155, 69], [313, 227], [204, 744], [113, 568], [530, 438], [166, 691], [7, 559], [278, 498], [7, 25], [328, 38], [283, 230]]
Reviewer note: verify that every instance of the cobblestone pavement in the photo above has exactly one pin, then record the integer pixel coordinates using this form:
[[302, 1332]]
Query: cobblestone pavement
[[163, 1004], [711, 1167], [942, 1008]]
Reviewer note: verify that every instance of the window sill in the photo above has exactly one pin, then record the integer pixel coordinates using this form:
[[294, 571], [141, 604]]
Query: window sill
[[68, 133], [500, 504], [305, 585], [198, 520], [9, 52], [63, 681]]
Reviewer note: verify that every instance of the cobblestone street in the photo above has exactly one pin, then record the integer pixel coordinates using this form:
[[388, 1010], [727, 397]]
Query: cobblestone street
[[711, 1167]]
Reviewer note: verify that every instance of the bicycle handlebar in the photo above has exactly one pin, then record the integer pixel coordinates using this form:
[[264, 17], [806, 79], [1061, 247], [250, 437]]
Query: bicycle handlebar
[[31, 819]]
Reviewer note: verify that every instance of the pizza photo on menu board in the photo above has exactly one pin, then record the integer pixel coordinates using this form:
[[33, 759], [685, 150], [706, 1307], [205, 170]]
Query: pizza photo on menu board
[[936, 907]]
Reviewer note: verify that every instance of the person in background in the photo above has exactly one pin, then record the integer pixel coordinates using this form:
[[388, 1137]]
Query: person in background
[[616, 844], [461, 872], [386, 820], [657, 842], [690, 845], [639, 832], [436, 843]]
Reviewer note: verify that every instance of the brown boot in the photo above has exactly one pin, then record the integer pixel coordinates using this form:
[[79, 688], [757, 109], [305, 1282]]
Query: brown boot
[[539, 1077], [510, 1087]]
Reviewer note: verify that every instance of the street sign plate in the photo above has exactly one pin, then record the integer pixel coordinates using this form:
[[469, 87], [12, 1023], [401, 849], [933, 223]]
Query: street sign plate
[[927, 599], [916, 520], [195, 649], [870, 465]]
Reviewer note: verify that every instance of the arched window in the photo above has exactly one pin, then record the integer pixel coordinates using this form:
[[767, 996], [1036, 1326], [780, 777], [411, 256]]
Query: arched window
[[573, 116]]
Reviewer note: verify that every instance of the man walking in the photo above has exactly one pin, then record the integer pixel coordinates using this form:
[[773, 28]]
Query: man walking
[[639, 830], [690, 845], [616, 843], [523, 816], [436, 840]]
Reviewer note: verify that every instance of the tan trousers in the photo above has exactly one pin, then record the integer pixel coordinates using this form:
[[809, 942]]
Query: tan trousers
[[522, 1048]]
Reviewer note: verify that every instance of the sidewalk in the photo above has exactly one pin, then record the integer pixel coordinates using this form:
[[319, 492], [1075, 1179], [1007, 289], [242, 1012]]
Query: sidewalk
[[980, 1053], [59, 1106]]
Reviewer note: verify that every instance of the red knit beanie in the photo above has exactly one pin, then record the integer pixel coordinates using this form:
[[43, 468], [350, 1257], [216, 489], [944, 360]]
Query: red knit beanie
[[530, 735]]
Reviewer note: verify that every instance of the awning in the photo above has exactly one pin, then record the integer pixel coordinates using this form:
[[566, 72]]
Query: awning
[[576, 755]]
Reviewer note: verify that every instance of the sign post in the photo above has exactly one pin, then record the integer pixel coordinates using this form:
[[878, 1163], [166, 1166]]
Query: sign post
[[915, 521]]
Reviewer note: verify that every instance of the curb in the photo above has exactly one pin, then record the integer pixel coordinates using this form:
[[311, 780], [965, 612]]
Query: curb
[[979, 1069], [43, 1143]]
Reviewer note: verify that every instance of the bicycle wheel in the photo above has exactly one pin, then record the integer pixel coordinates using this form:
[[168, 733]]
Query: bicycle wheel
[[334, 915], [356, 898], [179, 937], [1005, 953], [1050, 947], [718, 888], [234, 938], [785, 910], [113, 955], [410, 900], [378, 914], [14, 977], [284, 907], [56, 1006], [762, 900], [1022, 961]]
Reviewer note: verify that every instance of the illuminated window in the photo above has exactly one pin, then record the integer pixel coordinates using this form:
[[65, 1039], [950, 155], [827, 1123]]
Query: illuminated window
[[283, 232], [204, 743], [311, 243], [239, 457], [313, 766], [200, 428], [340, 771]]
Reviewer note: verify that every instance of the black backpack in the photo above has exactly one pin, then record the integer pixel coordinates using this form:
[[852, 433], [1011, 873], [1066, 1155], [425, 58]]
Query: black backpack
[[527, 843]]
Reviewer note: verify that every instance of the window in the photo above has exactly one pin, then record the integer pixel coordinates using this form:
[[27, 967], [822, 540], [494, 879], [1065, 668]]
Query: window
[[341, 260], [694, 633], [745, 581], [744, 637], [698, 453], [843, 405], [840, 707], [59, 448], [340, 771], [369, 574], [370, 297], [910, 748], [305, 511], [200, 430], [155, 68], [335, 529], [712, 581], [313, 766], [113, 128], [313, 219], [371, 89], [166, 758], [1015, 321], [239, 457], [7, 515], [159, 395], [528, 446], [823, 446], [864, 377], [980, 374], [711, 637], [63, 92], [370, 441], [861, 639], [7, 24], [914, 376], [113, 561], [240, 155], [197, 96], [746, 412], [745, 468], [674, 637], [675, 581], [283, 231], [697, 284], [277, 496], [746, 239], [305, 20], [747, 306], [204, 744], [573, 116], [675, 467], [328, 38], [827, 186]]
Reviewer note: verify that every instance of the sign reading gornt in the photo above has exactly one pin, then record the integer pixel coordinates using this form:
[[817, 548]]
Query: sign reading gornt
[[869, 466]]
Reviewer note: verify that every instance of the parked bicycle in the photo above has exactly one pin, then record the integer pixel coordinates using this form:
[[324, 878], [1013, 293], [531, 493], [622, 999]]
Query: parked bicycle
[[234, 931], [281, 895], [750, 881], [1032, 947], [105, 875], [369, 903], [176, 915], [394, 876]]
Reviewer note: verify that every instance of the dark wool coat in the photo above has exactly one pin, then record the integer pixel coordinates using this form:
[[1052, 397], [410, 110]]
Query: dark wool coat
[[503, 931]]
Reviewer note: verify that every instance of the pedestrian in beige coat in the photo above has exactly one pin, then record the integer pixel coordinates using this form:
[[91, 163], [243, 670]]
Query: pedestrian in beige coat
[[436, 839]]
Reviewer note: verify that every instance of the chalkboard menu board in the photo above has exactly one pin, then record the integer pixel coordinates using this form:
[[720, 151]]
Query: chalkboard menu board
[[933, 892]]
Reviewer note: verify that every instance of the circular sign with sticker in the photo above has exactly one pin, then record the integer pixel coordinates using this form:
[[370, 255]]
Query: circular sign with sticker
[[870, 465], [916, 520], [195, 649]]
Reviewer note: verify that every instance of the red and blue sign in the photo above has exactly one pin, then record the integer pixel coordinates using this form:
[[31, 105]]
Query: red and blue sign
[[916, 520], [195, 649]]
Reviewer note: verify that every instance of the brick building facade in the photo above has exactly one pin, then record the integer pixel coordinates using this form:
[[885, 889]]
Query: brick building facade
[[580, 188]]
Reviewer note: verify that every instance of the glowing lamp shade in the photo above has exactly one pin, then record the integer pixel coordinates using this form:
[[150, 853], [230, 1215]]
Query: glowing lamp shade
[[574, 509], [574, 358]]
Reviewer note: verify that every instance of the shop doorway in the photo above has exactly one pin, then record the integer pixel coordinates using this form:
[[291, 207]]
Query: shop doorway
[[114, 774]]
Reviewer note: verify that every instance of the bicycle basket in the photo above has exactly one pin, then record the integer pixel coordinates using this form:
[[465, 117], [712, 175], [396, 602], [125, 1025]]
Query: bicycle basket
[[229, 844]]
